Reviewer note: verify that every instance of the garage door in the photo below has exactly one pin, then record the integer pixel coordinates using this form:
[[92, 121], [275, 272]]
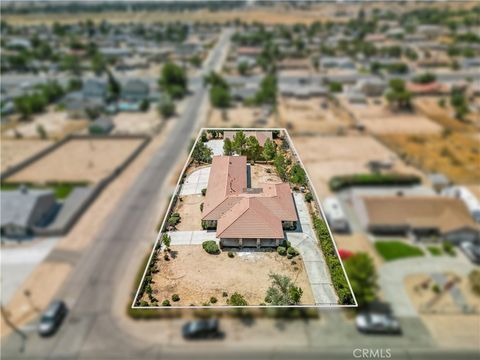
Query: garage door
[[249, 243], [229, 242]]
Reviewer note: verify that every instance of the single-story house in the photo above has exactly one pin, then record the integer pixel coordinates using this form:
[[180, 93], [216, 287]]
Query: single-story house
[[432, 88], [249, 52], [24, 209], [95, 88], [440, 216], [371, 87], [261, 136], [242, 216], [135, 90]]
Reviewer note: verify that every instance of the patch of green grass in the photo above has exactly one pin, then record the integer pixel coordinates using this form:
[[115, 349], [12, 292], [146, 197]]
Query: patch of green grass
[[435, 250], [392, 250], [61, 190]]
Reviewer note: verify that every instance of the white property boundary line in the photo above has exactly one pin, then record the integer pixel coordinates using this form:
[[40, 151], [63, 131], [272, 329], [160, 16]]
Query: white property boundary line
[[247, 306]]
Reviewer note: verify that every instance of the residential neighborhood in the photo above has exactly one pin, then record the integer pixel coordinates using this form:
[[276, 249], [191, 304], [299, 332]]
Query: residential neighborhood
[[274, 179]]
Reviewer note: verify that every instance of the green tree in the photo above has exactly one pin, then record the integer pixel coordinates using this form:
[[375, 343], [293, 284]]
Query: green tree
[[282, 291], [398, 96], [237, 299], [252, 148], [239, 142], [267, 94], [363, 277], [98, 64], [425, 78], [166, 107], [228, 147], [298, 175], [459, 103], [280, 164], [474, 279], [202, 153], [114, 87], [220, 96], [173, 80], [42, 133], [243, 68], [269, 150], [71, 63]]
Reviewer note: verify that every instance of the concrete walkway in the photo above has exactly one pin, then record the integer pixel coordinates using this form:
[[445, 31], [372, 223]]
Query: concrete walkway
[[305, 242], [191, 237], [195, 182], [392, 276]]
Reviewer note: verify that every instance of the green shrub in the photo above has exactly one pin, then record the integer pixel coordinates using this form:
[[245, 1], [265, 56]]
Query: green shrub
[[211, 247], [448, 248], [174, 219], [308, 197], [338, 276], [175, 297], [340, 182], [292, 251], [204, 192], [281, 250], [201, 207], [436, 289], [231, 254], [474, 279], [166, 302], [213, 300], [224, 294], [434, 250], [237, 300]]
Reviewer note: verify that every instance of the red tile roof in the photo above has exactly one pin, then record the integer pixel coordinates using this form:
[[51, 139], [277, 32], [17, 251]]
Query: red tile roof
[[242, 212]]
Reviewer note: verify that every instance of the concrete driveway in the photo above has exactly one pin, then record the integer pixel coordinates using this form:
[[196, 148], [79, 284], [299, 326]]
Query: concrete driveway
[[191, 237], [216, 146], [305, 242], [392, 275], [195, 182]]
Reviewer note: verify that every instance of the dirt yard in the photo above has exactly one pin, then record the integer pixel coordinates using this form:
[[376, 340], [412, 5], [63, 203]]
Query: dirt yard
[[262, 173], [137, 122], [378, 119], [314, 115], [189, 210], [196, 276], [358, 242], [243, 116], [457, 155], [327, 156], [78, 160], [450, 327], [15, 151], [56, 124]]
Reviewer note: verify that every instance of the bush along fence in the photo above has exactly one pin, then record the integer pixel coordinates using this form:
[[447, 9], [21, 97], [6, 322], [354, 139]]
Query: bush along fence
[[339, 279], [340, 182]]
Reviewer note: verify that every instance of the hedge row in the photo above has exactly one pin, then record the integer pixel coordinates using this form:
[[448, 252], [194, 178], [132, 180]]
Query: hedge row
[[340, 182], [333, 262]]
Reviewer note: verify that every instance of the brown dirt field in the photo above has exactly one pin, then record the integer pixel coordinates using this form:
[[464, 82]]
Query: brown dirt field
[[196, 276], [79, 160], [429, 107], [15, 151], [57, 124], [327, 156], [451, 329], [244, 117], [457, 156], [259, 174], [189, 210], [307, 116], [137, 122]]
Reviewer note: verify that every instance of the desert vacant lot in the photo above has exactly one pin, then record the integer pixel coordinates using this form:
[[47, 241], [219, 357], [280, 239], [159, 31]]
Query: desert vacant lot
[[245, 117], [378, 119], [55, 123], [196, 276], [308, 116], [78, 160], [189, 210], [15, 151], [456, 155], [137, 122], [327, 156]]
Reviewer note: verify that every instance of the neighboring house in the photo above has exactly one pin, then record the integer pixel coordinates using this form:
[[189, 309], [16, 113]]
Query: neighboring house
[[25, 209], [337, 63], [261, 136], [468, 198], [135, 91], [433, 88], [417, 215], [302, 91], [95, 88], [242, 216], [249, 52], [371, 87], [77, 105], [294, 64]]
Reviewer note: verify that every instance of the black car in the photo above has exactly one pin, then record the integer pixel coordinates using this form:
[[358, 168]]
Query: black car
[[52, 318], [201, 329]]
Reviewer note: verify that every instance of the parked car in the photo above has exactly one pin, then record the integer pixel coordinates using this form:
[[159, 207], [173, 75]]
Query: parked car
[[377, 323], [52, 318], [471, 250], [201, 329]]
